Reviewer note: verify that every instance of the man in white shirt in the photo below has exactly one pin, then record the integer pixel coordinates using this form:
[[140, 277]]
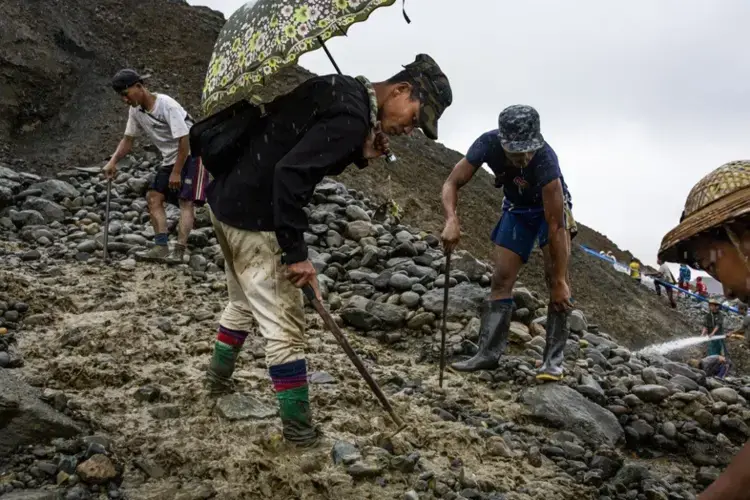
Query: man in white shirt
[[180, 179], [663, 279]]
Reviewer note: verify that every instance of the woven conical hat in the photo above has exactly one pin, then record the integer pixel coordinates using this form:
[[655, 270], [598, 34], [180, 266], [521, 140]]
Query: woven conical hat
[[720, 197]]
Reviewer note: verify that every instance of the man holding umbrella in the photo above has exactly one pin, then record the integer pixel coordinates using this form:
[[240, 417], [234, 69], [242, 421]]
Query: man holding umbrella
[[535, 207], [714, 235], [257, 206]]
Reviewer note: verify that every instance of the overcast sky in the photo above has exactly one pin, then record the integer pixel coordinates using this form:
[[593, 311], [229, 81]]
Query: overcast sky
[[640, 99]]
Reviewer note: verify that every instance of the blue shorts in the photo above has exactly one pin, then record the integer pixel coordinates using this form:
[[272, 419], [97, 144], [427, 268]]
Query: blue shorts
[[519, 230]]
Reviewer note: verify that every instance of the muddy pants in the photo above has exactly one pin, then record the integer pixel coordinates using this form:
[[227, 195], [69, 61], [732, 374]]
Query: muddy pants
[[258, 288]]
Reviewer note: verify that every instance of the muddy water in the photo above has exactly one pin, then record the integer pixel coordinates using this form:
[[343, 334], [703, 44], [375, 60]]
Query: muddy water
[[107, 333]]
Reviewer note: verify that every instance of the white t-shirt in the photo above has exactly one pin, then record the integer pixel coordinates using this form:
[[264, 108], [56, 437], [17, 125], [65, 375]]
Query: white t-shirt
[[666, 273], [164, 125]]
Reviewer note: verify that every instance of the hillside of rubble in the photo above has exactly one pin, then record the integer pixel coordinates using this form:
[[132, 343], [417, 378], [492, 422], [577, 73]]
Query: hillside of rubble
[[101, 369], [57, 111]]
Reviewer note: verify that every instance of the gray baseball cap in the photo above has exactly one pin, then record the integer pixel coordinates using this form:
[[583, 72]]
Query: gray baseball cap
[[519, 129]]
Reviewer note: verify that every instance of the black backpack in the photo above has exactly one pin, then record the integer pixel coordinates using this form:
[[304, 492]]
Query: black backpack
[[221, 138]]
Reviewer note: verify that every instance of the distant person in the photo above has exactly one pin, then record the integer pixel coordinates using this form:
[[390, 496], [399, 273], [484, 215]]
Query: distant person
[[684, 278], [713, 326], [714, 235], [635, 269], [665, 279], [715, 366], [180, 180], [744, 329], [700, 287], [536, 207]]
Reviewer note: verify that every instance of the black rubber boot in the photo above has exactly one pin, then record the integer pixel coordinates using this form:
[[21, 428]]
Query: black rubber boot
[[554, 351], [493, 337]]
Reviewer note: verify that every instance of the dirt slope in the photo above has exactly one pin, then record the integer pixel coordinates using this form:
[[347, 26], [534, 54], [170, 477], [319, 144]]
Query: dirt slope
[[56, 111]]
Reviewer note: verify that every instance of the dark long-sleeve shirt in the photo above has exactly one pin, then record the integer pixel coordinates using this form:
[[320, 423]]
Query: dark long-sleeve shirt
[[317, 129]]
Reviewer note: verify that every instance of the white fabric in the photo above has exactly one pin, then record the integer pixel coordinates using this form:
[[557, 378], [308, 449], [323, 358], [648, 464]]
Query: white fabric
[[164, 125], [666, 273]]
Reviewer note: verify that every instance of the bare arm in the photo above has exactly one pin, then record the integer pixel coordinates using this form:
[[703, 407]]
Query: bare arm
[[125, 146], [460, 175], [183, 150], [734, 483], [552, 198]]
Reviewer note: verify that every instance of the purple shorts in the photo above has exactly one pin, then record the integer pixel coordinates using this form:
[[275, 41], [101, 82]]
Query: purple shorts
[[194, 181]]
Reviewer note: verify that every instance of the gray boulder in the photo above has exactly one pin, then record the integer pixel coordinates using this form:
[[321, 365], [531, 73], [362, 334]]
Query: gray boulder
[[464, 261], [25, 419], [560, 406], [464, 300], [56, 190], [651, 393], [50, 210]]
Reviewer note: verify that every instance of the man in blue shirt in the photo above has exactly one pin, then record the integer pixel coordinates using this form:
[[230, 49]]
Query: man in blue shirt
[[536, 207]]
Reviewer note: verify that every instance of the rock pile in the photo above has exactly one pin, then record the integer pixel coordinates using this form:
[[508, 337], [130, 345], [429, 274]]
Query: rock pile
[[599, 428]]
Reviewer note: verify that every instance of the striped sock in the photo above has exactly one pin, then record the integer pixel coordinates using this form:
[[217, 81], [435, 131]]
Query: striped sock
[[226, 349], [290, 384], [161, 239]]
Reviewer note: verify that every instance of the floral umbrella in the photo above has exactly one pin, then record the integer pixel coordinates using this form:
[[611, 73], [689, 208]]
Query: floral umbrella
[[263, 36]]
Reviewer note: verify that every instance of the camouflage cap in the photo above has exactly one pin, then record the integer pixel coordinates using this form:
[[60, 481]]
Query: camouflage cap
[[519, 129], [435, 92]]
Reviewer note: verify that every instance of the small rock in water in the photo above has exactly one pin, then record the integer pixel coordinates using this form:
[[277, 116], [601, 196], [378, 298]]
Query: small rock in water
[[96, 470], [343, 452], [321, 378], [242, 407]]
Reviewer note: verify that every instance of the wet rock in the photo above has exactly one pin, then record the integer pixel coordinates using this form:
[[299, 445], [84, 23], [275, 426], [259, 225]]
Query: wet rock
[[726, 394], [630, 474], [346, 453], [577, 321], [523, 298], [591, 389], [321, 378], [96, 470], [561, 406], [651, 393], [684, 383], [151, 468], [421, 319], [497, 447], [364, 469], [682, 369], [148, 394], [707, 475], [519, 333], [31, 255], [353, 212], [410, 299], [669, 430], [242, 407], [400, 282], [359, 229], [49, 210], [608, 466], [464, 300], [30, 495], [26, 419], [165, 412], [55, 189], [463, 261], [411, 495]]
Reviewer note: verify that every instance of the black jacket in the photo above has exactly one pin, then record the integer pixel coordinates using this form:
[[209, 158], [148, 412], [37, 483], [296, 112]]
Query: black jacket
[[316, 130]]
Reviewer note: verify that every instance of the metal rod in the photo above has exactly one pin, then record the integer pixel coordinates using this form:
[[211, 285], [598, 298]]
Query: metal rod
[[344, 343], [328, 53], [446, 287], [106, 220]]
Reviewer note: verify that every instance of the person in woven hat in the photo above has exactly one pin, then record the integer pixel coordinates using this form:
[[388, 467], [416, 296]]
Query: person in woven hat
[[714, 235], [536, 206], [713, 326], [180, 180], [258, 212]]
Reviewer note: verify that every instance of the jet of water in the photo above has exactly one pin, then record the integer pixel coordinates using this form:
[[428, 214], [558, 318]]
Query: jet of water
[[674, 345]]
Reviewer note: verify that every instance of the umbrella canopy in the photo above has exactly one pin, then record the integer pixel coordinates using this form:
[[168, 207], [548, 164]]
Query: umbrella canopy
[[263, 36]]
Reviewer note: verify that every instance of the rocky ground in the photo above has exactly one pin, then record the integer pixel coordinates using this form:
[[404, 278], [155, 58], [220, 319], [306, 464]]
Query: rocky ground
[[103, 362]]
